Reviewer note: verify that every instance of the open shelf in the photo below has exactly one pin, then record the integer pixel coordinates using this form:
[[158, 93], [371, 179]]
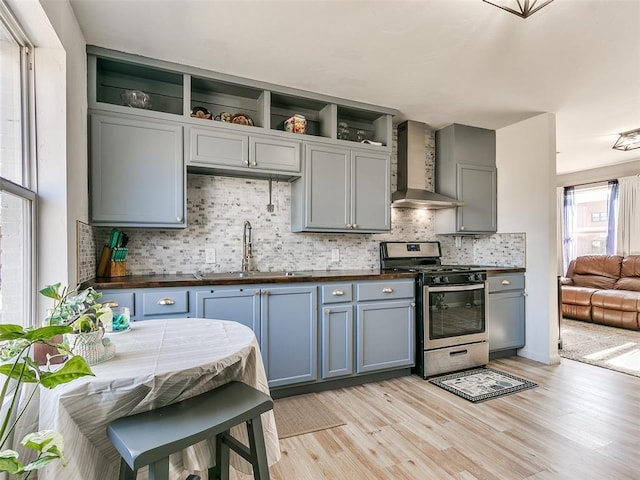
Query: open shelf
[[219, 97], [114, 78], [315, 112]]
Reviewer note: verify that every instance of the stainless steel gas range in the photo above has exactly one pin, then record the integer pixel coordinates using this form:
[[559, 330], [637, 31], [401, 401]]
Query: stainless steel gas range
[[451, 307]]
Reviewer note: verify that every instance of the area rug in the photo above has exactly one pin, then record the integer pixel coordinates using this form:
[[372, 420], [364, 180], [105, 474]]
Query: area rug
[[303, 414], [481, 384], [608, 347]]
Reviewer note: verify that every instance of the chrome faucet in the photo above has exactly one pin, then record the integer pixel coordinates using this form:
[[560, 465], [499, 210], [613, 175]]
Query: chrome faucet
[[246, 246]]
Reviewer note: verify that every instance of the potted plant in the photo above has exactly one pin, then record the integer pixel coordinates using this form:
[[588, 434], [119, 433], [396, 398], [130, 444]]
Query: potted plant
[[81, 311], [18, 369]]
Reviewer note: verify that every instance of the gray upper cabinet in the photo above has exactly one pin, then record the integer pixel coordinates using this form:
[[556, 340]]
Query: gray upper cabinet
[[465, 170], [215, 150], [259, 146], [342, 190], [137, 172]]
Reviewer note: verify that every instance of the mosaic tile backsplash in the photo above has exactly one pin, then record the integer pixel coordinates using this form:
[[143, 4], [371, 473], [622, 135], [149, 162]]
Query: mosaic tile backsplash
[[217, 208]]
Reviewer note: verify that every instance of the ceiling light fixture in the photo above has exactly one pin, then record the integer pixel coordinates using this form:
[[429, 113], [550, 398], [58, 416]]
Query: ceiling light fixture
[[628, 140], [523, 9]]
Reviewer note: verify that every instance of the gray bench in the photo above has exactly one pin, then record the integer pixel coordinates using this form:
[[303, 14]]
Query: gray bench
[[149, 438]]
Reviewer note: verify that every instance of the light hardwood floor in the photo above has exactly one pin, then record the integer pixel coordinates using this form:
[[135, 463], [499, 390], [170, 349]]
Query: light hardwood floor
[[581, 422]]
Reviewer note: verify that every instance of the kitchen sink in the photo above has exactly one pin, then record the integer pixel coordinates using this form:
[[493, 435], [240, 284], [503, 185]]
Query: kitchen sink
[[227, 275]]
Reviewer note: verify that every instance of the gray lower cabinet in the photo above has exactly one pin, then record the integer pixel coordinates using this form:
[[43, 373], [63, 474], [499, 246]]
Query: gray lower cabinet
[[336, 330], [137, 172], [239, 304], [385, 325], [284, 319], [289, 334], [381, 336], [217, 150], [354, 328], [342, 190], [506, 312]]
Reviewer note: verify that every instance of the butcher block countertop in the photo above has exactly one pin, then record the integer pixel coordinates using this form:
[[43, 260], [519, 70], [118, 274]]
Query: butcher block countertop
[[237, 278]]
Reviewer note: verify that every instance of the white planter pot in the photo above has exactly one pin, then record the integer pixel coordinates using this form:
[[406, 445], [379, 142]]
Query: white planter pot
[[91, 346]]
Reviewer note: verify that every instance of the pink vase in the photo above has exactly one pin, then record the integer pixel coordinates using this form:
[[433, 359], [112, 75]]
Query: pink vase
[[40, 351]]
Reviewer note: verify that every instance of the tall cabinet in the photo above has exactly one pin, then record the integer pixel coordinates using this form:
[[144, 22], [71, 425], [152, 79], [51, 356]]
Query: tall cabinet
[[466, 170]]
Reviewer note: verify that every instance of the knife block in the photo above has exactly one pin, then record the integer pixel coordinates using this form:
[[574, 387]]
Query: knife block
[[109, 268]]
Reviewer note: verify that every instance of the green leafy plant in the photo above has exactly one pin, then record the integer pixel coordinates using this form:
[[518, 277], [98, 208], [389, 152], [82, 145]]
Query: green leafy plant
[[19, 368], [80, 309], [72, 312]]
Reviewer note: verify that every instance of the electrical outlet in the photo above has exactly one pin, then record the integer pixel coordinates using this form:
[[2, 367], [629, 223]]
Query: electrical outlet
[[335, 254], [210, 255]]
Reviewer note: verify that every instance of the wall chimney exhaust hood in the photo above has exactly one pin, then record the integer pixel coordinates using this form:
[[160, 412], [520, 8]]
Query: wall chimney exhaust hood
[[412, 172]]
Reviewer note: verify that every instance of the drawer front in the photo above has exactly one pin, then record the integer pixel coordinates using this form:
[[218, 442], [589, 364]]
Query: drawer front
[[385, 290], [337, 293], [119, 299], [505, 282], [165, 302]]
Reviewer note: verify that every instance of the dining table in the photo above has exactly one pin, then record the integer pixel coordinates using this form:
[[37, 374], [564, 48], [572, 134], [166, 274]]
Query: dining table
[[157, 363]]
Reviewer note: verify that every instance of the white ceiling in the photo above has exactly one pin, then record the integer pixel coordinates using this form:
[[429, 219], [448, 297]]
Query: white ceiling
[[436, 61]]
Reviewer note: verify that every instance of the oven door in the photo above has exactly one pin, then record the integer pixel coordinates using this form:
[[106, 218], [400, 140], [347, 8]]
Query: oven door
[[454, 315]]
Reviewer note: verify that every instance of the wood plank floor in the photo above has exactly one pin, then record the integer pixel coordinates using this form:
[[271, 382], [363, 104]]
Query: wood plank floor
[[581, 422]]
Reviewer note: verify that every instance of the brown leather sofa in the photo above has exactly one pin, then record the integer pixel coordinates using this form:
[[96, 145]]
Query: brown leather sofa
[[603, 289]]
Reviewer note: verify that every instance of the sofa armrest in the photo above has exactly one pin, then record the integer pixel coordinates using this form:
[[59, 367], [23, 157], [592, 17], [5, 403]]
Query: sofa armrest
[[566, 281]]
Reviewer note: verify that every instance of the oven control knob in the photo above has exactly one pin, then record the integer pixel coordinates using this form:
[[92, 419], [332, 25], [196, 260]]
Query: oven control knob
[[445, 279], [472, 277], [437, 279]]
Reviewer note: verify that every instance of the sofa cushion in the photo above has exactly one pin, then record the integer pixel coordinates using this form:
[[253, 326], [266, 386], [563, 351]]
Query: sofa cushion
[[577, 295], [615, 318], [629, 274], [597, 271], [620, 300]]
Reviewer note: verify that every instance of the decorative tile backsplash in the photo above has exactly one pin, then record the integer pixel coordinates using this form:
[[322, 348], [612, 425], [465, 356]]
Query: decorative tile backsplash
[[217, 208]]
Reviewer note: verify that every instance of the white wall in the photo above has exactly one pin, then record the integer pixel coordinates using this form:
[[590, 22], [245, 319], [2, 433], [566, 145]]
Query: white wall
[[68, 31], [526, 162]]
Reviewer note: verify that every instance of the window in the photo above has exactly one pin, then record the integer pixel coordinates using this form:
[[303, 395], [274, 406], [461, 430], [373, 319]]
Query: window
[[17, 193], [589, 220]]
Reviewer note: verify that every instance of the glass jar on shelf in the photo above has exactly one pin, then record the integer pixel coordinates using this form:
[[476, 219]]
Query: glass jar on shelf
[[343, 131]]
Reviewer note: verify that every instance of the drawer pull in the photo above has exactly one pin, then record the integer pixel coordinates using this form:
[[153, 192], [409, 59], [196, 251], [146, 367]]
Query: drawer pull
[[166, 301], [387, 290], [111, 304], [458, 353], [337, 293], [506, 282]]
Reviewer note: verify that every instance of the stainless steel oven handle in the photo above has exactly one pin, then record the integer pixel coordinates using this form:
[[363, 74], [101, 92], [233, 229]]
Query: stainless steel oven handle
[[456, 288]]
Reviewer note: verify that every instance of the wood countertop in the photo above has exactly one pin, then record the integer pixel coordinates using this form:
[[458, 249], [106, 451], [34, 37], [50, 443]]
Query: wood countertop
[[236, 278]]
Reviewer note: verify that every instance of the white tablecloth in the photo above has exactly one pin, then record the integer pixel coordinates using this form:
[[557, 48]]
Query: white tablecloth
[[157, 363]]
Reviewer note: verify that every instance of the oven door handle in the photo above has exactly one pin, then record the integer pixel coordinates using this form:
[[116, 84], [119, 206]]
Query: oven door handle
[[455, 288]]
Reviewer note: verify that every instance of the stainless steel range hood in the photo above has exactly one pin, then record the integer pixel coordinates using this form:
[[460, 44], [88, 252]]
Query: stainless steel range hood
[[412, 172]]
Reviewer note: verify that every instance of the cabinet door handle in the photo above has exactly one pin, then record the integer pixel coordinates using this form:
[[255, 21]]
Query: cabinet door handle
[[387, 290], [258, 293], [506, 282], [349, 225], [327, 311], [266, 293], [461, 227], [111, 304], [254, 164], [166, 301], [246, 163], [337, 293], [355, 225], [413, 304], [179, 219]]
